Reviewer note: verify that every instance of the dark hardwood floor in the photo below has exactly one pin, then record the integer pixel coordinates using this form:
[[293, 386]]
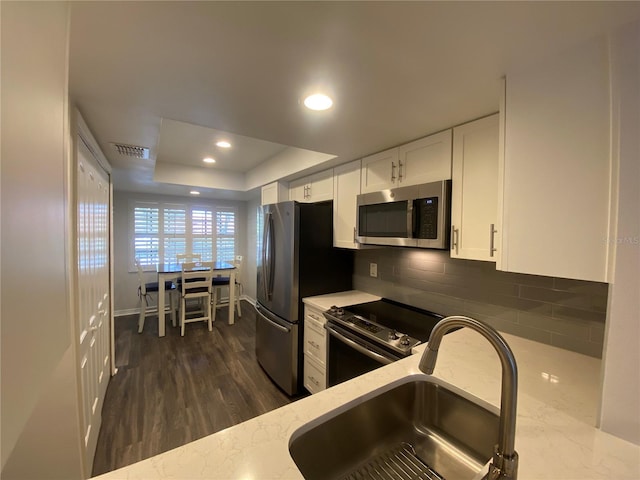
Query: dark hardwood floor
[[172, 390]]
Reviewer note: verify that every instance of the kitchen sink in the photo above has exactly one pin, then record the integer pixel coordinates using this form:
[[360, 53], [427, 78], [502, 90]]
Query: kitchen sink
[[418, 425]]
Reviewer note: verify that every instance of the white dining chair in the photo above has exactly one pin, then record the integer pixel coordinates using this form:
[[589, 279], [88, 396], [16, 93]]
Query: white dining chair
[[185, 257], [145, 297], [221, 282], [196, 283], [188, 257]]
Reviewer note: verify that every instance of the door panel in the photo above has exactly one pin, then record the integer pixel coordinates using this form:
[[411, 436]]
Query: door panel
[[277, 349], [92, 229], [278, 275]]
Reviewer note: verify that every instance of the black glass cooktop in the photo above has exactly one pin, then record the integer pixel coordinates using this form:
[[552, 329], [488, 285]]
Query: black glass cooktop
[[409, 320]]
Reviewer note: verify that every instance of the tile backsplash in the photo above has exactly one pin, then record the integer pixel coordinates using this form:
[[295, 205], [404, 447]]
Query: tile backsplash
[[566, 313]]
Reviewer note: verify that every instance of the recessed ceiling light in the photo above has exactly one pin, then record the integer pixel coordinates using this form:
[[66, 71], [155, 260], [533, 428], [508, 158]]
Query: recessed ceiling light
[[194, 192], [223, 144], [318, 101], [208, 160]]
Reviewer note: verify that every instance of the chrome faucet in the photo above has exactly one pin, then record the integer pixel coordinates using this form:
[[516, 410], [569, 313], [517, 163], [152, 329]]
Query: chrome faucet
[[505, 459]]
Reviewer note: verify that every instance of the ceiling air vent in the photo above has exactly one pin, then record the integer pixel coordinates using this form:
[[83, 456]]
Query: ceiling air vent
[[131, 150]]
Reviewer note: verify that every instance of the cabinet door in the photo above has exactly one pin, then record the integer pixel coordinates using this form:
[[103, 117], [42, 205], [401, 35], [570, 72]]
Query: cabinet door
[[320, 186], [298, 190], [425, 160], [315, 350], [557, 166], [315, 340], [315, 378], [273, 193], [346, 186], [379, 171], [474, 202]]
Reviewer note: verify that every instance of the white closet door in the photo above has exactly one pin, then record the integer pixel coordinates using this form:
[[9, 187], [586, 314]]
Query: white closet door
[[92, 195]]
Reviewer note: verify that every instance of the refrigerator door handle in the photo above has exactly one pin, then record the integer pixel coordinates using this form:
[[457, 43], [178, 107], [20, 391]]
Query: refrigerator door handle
[[274, 324], [271, 259], [266, 256]]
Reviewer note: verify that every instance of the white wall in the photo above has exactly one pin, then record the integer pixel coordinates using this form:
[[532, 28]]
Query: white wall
[[126, 282], [251, 260], [621, 369], [39, 404]]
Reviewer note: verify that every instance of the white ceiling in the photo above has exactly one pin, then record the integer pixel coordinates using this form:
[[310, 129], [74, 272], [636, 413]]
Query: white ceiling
[[140, 71]]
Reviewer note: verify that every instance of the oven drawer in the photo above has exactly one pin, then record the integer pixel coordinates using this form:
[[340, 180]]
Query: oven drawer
[[315, 338], [314, 375]]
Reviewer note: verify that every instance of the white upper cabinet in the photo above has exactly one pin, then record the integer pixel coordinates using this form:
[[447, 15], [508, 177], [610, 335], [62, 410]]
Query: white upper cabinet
[[425, 160], [346, 187], [557, 167], [474, 197], [380, 171], [421, 161], [274, 192], [314, 188]]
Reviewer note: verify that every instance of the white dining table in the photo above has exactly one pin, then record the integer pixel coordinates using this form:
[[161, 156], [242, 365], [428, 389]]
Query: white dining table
[[171, 271]]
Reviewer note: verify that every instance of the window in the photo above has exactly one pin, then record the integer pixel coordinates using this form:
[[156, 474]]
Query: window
[[163, 230], [146, 242], [225, 235], [202, 233], [174, 222]]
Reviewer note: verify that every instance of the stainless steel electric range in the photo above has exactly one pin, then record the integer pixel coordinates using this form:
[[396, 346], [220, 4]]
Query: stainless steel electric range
[[368, 335]]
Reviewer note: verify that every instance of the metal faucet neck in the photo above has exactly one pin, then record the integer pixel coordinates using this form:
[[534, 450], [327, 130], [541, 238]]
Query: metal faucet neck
[[505, 458]]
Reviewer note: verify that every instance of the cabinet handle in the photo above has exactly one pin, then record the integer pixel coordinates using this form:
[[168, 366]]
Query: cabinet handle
[[316, 382], [314, 344], [315, 317], [399, 171], [492, 235], [354, 235], [393, 172], [308, 191], [454, 238]]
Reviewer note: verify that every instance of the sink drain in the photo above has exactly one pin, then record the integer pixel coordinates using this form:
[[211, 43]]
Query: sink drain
[[397, 463]]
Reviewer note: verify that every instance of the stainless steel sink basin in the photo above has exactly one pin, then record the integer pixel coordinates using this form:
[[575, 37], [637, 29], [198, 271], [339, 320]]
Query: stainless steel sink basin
[[414, 424]]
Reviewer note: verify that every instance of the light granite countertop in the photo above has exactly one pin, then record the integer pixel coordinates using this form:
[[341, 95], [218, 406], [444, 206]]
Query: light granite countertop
[[555, 438]]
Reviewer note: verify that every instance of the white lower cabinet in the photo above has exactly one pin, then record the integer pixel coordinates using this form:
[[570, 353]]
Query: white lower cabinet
[[314, 375], [315, 350]]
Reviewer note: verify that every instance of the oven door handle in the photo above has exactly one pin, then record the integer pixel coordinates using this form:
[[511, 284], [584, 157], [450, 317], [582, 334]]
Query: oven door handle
[[365, 351]]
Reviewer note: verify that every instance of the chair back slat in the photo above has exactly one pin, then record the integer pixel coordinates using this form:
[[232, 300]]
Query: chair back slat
[[188, 257], [196, 277]]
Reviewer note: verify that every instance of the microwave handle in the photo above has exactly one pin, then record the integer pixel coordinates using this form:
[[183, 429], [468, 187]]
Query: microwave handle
[[411, 219], [414, 219]]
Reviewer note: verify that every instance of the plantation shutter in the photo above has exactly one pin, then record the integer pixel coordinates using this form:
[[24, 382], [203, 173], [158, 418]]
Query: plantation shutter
[[146, 243], [202, 232], [225, 235], [175, 230]]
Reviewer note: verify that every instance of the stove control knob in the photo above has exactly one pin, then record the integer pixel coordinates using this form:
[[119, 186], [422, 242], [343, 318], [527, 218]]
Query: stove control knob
[[393, 335], [405, 341], [339, 311]]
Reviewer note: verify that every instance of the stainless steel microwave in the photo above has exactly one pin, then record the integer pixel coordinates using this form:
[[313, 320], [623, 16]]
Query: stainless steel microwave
[[413, 216]]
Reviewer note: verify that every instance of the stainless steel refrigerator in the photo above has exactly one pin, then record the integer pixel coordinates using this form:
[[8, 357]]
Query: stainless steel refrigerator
[[298, 260]]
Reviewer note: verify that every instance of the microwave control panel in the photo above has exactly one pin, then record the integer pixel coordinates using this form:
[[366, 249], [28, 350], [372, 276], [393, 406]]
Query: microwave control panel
[[426, 211]]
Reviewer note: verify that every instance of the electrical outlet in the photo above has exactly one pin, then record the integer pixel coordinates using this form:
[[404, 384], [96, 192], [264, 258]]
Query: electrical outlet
[[373, 269]]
